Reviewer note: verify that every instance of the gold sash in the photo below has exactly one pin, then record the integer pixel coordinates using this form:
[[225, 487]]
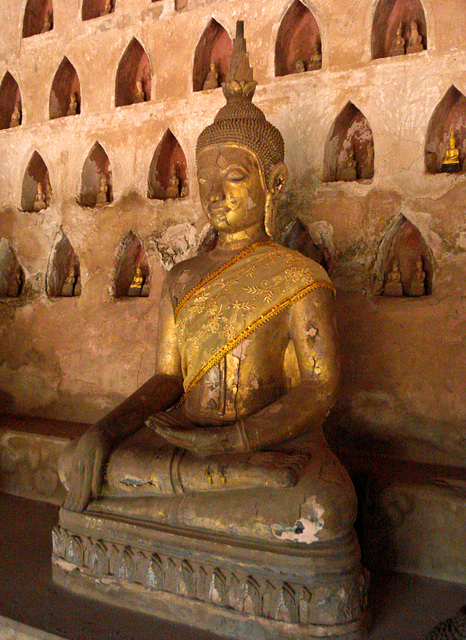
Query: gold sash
[[244, 293]]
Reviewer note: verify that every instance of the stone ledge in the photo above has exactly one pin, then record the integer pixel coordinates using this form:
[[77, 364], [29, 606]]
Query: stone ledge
[[11, 630]]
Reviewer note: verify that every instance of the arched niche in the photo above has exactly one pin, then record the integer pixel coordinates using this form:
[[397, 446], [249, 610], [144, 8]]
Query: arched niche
[[298, 47], [38, 17], [64, 273], [404, 265], [133, 79], [96, 8], [387, 41], [65, 96], [37, 190], [96, 179], [168, 177], [349, 150], [449, 116], [11, 273], [132, 274], [10, 103], [213, 48]]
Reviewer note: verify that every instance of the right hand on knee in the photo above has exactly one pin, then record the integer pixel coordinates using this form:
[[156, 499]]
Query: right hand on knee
[[87, 469]]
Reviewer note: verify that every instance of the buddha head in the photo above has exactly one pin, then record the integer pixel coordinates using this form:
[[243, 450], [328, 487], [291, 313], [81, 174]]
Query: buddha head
[[240, 156]]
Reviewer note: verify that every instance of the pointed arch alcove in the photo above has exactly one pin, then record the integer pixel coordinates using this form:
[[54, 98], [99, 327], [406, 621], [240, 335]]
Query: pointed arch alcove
[[132, 274], [449, 116], [10, 103], [38, 17], [11, 273], [349, 150], [168, 176], [96, 179], [133, 79], [64, 272], [96, 8], [388, 16], [404, 264], [298, 46], [37, 191], [65, 95], [213, 48]]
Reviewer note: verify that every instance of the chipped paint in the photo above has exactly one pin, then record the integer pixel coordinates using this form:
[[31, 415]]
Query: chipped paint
[[304, 530]]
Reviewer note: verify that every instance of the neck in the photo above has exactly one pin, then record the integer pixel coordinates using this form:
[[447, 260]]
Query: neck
[[241, 239]]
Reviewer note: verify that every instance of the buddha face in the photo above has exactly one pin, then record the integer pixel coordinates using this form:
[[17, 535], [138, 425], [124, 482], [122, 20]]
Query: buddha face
[[232, 188]]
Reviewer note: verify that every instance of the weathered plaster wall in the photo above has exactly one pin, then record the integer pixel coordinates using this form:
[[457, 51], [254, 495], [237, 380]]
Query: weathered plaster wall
[[403, 359]]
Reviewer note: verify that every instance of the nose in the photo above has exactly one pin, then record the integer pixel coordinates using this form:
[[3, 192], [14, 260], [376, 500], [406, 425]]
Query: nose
[[216, 192]]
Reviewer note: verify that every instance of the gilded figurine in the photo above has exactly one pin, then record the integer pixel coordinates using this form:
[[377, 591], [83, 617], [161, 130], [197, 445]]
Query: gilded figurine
[[349, 170], [173, 189], [299, 66], [211, 81], [102, 197], [48, 22], [393, 285], [315, 61], [39, 201], [140, 94], [415, 39], [451, 162], [398, 45], [135, 288], [15, 119], [73, 107], [417, 286]]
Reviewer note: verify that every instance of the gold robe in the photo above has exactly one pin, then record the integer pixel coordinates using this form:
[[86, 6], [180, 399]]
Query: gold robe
[[244, 293]]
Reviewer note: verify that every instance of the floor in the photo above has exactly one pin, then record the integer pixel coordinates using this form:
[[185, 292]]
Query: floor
[[402, 607]]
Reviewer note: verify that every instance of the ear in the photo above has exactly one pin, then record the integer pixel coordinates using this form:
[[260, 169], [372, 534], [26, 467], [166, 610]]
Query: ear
[[277, 179]]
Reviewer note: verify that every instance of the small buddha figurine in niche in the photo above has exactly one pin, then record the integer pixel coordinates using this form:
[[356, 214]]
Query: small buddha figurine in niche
[[47, 192], [366, 167], [39, 201], [211, 81], [415, 39], [108, 8], [417, 286], [299, 66], [349, 170], [48, 22], [226, 438], [184, 189], [68, 288], [315, 61], [140, 94], [398, 45], [451, 162], [173, 189], [73, 107], [135, 288], [15, 283], [393, 285], [102, 195], [15, 119]]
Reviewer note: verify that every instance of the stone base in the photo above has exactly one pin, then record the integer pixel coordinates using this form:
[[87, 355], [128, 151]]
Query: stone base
[[232, 587]]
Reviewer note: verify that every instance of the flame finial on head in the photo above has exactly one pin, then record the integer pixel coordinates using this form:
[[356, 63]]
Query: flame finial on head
[[239, 81]]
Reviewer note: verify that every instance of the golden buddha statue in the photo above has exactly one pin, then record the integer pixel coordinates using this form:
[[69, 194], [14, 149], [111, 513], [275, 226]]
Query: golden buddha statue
[[67, 290], [39, 201], [108, 8], [173, 189], [398, 45], [393, 285], [316, 57], [73, 107], [211, 81], [102, 195], [221, 453], [48, 22], [451, 162], [417, 286], [135, 288], [140, 95], [299, 66], [415, 39], [349, 170], [15, 119]]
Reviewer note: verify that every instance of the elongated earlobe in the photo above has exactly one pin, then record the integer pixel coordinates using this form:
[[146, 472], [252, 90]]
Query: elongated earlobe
[[275, 184]]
